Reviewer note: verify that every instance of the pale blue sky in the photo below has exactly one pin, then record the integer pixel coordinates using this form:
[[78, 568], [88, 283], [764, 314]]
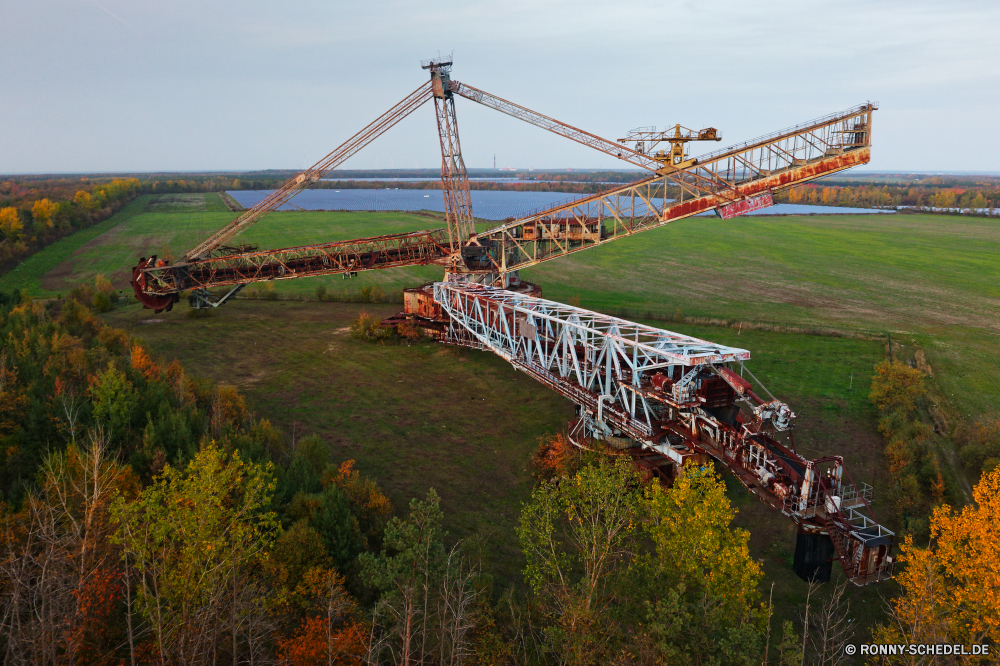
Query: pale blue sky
[[136, 85]]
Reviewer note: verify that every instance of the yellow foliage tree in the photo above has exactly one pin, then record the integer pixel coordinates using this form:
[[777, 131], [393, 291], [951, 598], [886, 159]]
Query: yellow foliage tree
[[690, 525], [84, 200], [102, 284], [951, 589], [42, 211], [10, 223], [896, 387]]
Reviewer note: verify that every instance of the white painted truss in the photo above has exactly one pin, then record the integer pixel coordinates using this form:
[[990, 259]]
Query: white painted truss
[[596, 360]]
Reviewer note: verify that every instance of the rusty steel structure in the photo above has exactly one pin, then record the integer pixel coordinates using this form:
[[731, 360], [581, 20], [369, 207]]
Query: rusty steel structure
[[454, 177], [661, 397], [639, 387]]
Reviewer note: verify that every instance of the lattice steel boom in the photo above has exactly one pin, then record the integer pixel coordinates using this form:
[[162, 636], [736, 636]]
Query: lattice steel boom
[[677, 396], [743, 175], [454, 177], [662, 396]]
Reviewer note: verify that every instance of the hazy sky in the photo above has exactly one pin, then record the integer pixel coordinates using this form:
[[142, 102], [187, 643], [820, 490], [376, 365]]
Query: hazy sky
[[136, 85]]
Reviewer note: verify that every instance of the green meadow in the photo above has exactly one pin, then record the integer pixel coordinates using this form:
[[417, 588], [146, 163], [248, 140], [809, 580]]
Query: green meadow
[[812, 297], [931, 281]]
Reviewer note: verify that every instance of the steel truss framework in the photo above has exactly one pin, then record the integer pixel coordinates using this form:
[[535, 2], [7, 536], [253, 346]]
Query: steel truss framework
[[755, 168], [411, 249], [454, 177], [607, 365], [634, 385]]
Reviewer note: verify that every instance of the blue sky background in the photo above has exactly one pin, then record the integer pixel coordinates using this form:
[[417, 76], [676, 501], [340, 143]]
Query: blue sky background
[[137, 85]]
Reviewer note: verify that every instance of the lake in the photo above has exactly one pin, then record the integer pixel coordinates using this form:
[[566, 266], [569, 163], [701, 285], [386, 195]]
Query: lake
[[486, 204]]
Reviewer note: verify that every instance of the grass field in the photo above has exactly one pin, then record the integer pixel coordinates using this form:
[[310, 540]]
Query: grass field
[[169, 225], [932, 280], [464, 423]]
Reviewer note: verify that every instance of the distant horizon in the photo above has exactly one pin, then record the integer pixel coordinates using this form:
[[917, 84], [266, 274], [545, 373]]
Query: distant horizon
[[210, 172]]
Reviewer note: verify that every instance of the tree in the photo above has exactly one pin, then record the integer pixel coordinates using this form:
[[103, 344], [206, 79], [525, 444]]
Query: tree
[[337, 526], [370, 506], [577, 538], [789, 653], [60, 570], [427, 593], [555, 456], [951, 589], [42, 212], [330, 633], [896, 387], [707, 564], [115, 399], [830, 629], [83, 200], [197, 538], [10, 223]]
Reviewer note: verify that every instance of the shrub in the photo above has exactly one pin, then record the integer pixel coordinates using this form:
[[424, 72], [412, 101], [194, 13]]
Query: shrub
[[103, 285], [321, 292], [83, 294], [102, 302], [409, 332], [981, 449], [368, 328]]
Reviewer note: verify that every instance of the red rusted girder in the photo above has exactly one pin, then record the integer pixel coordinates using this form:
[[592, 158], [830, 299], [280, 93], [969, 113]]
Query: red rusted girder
[[410, 249]]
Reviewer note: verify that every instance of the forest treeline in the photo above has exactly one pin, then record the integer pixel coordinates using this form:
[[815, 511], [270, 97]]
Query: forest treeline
[[35, 215], [151, 517], [924, 196], [35, 211]]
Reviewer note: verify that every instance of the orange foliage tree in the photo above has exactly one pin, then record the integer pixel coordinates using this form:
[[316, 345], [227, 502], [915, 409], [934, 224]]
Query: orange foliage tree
[[951, 589], [330, 633], [143, 363], [371, 507], [555, 457]]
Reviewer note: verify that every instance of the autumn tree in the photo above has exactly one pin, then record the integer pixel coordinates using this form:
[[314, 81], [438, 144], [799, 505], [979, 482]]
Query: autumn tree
[[42, 212], [423, 615], [196, 538], [369, 504], [951, 588], [711, 611], [83, 200], [896, 387], [10, 223], [61, 572], [331, 633], [555, 456], [577, 536]]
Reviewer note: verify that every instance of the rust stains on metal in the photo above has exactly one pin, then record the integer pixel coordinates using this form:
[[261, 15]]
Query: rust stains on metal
[[410, 249], [150, 301]]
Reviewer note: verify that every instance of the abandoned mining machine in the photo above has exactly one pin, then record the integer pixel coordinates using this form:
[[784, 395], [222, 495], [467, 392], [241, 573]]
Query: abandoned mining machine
[[661, 397]]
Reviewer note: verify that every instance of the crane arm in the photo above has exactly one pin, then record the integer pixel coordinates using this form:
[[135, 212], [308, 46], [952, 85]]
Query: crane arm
[[553, 125], [742, 175], [157, 283], [732, 181], [371, 132]]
